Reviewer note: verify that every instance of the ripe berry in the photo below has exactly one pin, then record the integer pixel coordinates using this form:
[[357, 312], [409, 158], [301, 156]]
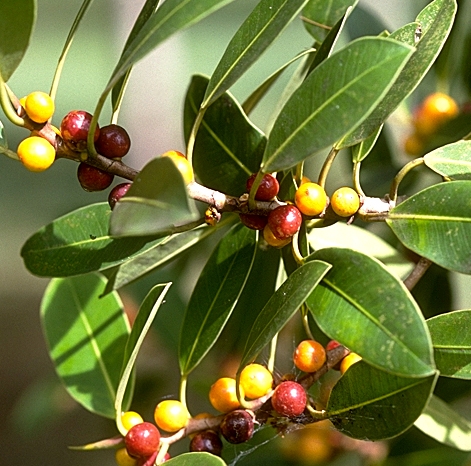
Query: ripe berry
[[36, 153], [74, 129], [130, 419], [348, 361], [285, 221], [223, 395], [310, 199], [92, 178], [256, 380], [182, 164], [309, 356], [434, 111], [345, 202], [117, 193], [289, 399], [272, 240], [123, 459], [113, 141], [142, 440], [171, 415], [39, 106], [254, 222], [238, 426], [267, 189], [207, 441]]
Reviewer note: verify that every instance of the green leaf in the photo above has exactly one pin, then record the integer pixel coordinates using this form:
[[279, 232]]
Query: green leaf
[[156, 204], [370, 404], [451, 340], [146, 315], [441, 422], [196, 459], [171, 17], [361, 150], [359, 239], [215, 295], [86, 336], [17, 21], [160, 254], [360, 297], [325, 14], [436, 20], [281, 307], [79, 243], [304, 125], [228, 147], [266, 22], [436, 224], [453, 160]]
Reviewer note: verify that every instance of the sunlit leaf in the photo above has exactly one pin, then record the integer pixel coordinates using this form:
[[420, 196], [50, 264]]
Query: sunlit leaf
[[359, 297], [453, 160], [441, 422], [361, 150], [157, 202], [215, 295], [304, 126], [369, 404], [281, 307], [17, 21], [436, 223], [196, 459], [86, 337]]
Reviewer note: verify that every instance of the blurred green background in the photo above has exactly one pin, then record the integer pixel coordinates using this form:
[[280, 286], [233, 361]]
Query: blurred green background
[[40, 420]]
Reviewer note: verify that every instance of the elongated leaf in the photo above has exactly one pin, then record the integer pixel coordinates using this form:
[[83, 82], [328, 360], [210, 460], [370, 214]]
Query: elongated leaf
[[451, 339], [86, 336], [369, 67], [196, 459], [145, 317], [171, 17], [79, 243], [360, 297], [17, 21], [156, 203], [228, 147], [441, 422], [436, 223], [281, 307], [266, 22], [436, 20], [453, 160], [361, 150], [215, 295], [370, 404], [162, 253], [326, 14]]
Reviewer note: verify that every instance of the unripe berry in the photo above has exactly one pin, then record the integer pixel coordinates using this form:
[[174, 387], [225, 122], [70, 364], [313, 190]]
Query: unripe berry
[[36, 153], [171, 415], [113, 141], [414, 145], [256, 380], [272, 240], [285, 221], [267, 189], [92, 178], [348, 361], [207, 441], [142, 440], [254, 222], [182, 164], [345, 202], [310, 199], [238, 426], [223, 394], [309, 356], [74, 129], [123, 459], [117, 193], [39, 106], [130, 419], [289, 399]]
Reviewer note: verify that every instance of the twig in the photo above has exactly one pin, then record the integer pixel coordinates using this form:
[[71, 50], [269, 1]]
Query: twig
[[417, 273]]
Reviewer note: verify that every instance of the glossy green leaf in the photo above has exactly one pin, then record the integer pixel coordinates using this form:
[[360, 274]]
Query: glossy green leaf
[[436, 20], [171, 17], [196, 459], [441, 422], [146, 315], [369, 404], [453, 160], [78, 243], [325, 14], [215, 295], [160, 254], [451, 338], [86, 336], [361, 150], [359, 297], [362, 240], [156, 204], [228, 147], [17, 21], [266, 22], [436, 223], [304, 126], [281, 307]]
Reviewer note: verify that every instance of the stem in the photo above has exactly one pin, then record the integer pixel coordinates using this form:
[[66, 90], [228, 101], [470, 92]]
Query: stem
[[253, 189], [417, 273], [299, 173], [194, 131], [7, 107], [9, 153], [400, 176], [162, 452], [356, 179], [298, 257], [315, 23], [182, 390], [93, 124], [327, 166], [272, 353], [119, 100], [305, 321]]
